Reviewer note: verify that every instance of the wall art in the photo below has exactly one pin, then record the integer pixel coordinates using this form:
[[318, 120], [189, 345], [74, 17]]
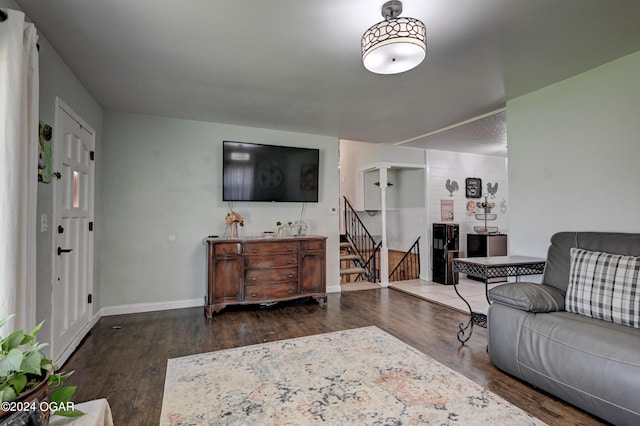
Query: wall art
[[474, 187], [44, 153], [492, 189], [452, 186], [446, 210]]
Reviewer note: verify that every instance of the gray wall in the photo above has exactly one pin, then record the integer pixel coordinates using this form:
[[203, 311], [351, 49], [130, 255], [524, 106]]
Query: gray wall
[[574, 149], [57, 79], [162, 195]]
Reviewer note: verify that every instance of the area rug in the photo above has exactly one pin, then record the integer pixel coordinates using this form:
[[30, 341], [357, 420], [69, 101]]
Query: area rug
[[362, 376]]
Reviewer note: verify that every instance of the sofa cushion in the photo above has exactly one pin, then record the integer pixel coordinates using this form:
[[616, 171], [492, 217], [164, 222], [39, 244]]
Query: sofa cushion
[[556, 271], [530, 297], [604, 286]]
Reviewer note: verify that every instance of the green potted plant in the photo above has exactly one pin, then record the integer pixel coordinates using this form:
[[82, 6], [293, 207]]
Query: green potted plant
[[26, 374]]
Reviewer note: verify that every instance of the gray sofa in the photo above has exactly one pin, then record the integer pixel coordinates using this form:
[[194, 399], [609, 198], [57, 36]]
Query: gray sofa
[[591, 363]]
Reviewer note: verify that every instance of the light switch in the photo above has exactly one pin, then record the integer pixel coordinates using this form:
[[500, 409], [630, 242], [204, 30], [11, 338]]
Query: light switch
[[44, 223]]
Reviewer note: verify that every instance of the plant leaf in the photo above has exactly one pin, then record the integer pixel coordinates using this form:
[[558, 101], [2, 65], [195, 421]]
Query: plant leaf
[[8, 394], [63, 395], [68, 413], [4, 320], [31, 363], [18, 382], [13, 340], [35, 330], [57, 379], [11, 362]]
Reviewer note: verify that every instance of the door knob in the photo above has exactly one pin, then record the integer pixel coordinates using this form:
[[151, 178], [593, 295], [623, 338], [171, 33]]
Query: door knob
[[61, 250]]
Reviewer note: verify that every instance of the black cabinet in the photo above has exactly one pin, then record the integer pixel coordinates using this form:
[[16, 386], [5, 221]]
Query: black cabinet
[[446, 245], [486, 245]]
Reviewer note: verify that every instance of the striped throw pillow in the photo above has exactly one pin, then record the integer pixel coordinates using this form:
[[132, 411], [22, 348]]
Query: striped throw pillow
[[604, 286]]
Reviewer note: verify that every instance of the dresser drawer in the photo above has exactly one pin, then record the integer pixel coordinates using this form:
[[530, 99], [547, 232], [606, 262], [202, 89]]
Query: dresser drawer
[[259, 292], [227, 248], [271, 247], [312, 245], [257, 261], [259, 276]]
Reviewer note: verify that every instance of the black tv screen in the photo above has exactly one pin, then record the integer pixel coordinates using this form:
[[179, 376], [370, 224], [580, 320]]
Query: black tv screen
[[257, 172]]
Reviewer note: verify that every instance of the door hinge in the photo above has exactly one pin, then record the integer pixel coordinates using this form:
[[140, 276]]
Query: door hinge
[[92, 155], [89, 298], [90, 226]]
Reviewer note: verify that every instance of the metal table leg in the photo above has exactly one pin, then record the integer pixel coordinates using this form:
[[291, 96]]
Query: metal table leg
[[508, 266], [462, 327]]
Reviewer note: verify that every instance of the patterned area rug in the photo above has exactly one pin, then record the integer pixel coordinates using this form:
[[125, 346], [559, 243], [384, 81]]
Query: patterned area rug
[[362, 376]]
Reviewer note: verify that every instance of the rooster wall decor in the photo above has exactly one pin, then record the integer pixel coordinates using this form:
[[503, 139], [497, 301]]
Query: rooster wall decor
[[452, 186], [492, 189]]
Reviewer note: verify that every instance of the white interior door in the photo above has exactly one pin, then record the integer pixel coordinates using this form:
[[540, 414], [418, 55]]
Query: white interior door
[[73, 233]]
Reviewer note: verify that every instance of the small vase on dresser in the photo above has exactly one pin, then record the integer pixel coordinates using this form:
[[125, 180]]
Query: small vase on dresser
[[299, 228]]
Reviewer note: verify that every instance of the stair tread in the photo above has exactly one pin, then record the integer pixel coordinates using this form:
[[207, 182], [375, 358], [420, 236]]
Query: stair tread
[[346, 271], [345, 244], [349, 256]]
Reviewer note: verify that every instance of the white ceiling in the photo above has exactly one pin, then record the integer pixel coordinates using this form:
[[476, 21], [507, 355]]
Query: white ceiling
[[295, 65]]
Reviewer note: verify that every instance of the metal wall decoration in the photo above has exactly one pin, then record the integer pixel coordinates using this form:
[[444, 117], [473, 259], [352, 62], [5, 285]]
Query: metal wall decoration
[[492, 189], [474, 187], [503, 206], [452, 186]]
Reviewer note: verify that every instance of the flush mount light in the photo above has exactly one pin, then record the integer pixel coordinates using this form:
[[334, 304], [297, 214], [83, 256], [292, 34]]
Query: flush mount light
[[394, 45]]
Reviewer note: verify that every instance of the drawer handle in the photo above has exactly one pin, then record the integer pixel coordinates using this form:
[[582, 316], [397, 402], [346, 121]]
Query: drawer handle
[[290, 291], [290, 261], [254, 250], [289, 248], [253, 279], [255, 262], [254, 294], [226, 250], [290, 276]]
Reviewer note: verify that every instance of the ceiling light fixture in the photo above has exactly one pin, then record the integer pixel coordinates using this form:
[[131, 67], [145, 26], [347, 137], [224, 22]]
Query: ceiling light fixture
[[394, 45]]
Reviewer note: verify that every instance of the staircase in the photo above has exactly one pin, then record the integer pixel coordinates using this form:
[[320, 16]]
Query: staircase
[[358, 250], [350, 262], [360, 254]]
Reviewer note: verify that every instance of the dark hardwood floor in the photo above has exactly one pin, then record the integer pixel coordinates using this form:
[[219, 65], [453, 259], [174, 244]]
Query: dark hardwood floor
[[124, 358]]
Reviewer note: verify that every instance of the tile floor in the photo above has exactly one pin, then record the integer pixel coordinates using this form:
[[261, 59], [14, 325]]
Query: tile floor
[[473, 291]]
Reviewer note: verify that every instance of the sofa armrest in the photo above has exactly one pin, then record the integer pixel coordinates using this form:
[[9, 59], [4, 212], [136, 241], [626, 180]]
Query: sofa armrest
[[530, 297]]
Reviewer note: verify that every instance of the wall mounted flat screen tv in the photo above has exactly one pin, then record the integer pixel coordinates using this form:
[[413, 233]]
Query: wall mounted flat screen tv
[[257, 172]]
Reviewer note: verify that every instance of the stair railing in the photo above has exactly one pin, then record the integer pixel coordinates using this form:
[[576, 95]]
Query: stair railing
[[409, 266], [362, 241]]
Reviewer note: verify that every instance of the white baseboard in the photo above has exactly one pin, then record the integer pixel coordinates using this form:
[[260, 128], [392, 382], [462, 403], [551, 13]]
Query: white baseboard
[[334, 288], [75, 342], [137, 308]]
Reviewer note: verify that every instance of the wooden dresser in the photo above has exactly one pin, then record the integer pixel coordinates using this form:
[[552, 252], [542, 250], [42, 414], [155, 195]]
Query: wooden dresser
[[263, 270]]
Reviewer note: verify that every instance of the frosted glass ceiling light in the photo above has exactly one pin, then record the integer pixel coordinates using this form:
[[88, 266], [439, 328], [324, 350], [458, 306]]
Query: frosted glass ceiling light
[[394, 45]]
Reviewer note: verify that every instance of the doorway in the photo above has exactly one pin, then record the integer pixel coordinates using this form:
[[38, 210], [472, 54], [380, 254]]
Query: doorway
[[73, 211]]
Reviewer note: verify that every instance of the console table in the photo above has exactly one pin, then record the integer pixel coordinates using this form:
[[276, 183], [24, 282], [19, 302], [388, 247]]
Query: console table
[[264, 270], [486, 268]]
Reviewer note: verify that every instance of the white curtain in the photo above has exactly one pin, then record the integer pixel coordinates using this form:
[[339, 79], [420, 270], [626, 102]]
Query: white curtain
[[19, 86]]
